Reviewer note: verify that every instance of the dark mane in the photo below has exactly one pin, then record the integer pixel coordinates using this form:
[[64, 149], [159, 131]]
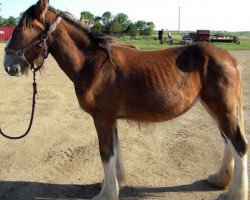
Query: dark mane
[[27, 16], [94, 37]]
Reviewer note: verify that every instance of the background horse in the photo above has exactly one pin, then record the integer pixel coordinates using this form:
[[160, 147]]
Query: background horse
[[115, 81]]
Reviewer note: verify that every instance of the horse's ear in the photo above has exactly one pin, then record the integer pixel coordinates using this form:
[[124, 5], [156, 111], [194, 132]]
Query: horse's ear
[[41, 8]]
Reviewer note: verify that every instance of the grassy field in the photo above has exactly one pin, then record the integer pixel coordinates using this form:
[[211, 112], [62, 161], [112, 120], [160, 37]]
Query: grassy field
[[151, 43]]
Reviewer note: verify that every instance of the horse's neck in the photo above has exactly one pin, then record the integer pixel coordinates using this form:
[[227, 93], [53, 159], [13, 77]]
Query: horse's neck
[[69, 56]]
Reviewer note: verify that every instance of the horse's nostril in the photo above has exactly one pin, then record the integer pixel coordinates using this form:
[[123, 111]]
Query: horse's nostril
[[10, 70], [6, 67]]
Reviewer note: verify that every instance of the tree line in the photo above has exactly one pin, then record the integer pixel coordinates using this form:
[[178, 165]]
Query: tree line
[[11, 21], [117, 25]]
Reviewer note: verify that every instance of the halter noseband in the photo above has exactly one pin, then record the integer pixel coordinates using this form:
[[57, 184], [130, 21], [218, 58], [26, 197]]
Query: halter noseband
[[42, 42]]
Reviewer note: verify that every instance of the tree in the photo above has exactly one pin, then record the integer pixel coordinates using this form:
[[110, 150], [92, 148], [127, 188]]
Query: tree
[[132, 30], [115, 27], [97, 19], [11, 21], [149, 29], [141, 25], [97, 27], [106, 21], [86, 15], [145, 28], [151, 25], [122, 19], [106, 18], [1, 21]]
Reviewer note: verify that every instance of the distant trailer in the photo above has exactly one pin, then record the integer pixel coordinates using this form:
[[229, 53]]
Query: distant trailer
[[6, 32], [204, 35], [225, 38]]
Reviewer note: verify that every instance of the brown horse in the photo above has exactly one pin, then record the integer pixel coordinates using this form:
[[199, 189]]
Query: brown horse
[[116, 81]]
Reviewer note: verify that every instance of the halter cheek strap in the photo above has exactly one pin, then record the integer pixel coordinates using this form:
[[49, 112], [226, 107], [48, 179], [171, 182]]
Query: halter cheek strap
[[42, 42]]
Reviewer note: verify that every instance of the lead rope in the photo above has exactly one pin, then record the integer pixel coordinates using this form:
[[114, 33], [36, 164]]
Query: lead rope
[[32, 112]]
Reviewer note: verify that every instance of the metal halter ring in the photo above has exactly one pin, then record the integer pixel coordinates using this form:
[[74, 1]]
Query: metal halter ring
[[20, 54]]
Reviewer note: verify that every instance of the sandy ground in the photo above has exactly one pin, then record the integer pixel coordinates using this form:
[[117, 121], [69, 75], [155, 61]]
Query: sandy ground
[[59, 159]]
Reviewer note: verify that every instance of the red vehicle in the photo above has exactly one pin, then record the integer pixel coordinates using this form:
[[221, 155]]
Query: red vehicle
[[6, 32], [200, 35]]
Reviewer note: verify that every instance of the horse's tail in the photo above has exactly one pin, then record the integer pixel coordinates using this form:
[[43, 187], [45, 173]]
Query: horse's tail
[[239, 111]]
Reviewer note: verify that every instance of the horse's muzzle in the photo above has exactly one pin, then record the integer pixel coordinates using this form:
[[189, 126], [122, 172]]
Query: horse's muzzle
[[13, 70]]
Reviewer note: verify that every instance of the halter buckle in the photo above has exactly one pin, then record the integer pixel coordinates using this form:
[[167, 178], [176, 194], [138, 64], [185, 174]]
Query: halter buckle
[[45, 37]]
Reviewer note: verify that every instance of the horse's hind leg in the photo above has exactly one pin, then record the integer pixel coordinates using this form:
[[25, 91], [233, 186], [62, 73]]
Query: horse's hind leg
[[235, 149], [239, 186], [223, 104], [105, 130]]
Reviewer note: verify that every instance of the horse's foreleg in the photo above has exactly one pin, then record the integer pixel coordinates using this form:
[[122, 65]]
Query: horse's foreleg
[[119, 163], [120, 172], [223, 177], [110, 189]]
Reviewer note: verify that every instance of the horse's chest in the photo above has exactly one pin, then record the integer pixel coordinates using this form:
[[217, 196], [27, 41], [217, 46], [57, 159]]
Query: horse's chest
[[86, 99]]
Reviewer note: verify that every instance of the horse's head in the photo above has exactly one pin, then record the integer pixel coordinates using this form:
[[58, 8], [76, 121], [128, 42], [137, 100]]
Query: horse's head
[[26, 47]]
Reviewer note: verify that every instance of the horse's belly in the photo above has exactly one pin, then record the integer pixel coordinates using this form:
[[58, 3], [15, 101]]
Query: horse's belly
[[155, 109]]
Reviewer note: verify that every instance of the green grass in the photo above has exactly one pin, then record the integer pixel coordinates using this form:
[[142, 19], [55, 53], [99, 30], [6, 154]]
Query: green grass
[[244, 45], [145, 43], [151, 42]]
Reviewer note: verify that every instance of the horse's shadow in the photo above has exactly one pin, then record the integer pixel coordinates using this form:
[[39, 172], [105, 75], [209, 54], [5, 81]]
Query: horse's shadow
[[10, 190]]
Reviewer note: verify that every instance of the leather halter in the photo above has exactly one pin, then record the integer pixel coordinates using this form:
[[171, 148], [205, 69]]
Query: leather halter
[[42, 42]]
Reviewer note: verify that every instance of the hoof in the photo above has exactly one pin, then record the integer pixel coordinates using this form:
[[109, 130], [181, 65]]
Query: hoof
[[121, 183], [219, 181], [232, 196], [105, 197], [99, 197]]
